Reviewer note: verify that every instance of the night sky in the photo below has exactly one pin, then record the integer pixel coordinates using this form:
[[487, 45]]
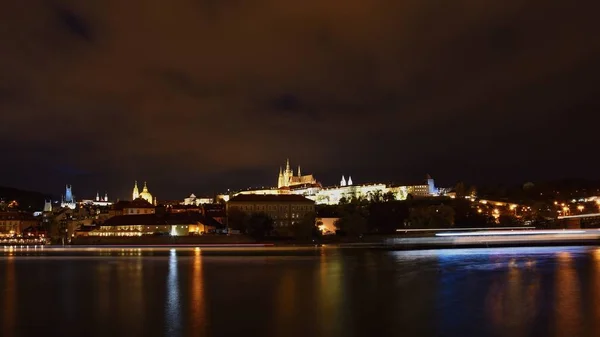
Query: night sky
[[204, 95]]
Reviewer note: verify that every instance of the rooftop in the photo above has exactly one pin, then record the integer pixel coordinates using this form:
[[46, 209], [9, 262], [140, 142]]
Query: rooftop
[[159, 219], [270, 198]]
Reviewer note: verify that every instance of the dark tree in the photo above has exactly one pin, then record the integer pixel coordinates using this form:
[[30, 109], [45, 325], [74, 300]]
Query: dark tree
[[259, 225], [352, 223], [306, 228], [237, 219], [389, 197]]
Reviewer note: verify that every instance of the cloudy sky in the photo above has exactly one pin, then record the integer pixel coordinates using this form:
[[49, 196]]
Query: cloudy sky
[[204, 95]]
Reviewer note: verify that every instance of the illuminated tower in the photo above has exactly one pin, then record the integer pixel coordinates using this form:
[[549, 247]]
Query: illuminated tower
[[343, 181], [349, 181], [47, 206], [97, 196], [136, 191], [280, 179], [69, 194], [68, 200]]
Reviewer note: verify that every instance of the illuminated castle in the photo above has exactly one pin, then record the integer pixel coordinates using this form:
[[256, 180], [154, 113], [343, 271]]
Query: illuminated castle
[[288, 179]]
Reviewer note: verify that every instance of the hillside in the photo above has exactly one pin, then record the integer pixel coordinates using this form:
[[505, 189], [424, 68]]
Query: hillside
[[27, 200]]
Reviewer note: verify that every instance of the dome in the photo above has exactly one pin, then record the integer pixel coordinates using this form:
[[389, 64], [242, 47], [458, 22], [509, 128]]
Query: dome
[[146, 194]]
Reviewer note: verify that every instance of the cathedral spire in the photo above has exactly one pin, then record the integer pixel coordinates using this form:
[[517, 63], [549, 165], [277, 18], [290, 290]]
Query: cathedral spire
[[299, 175], [97, 196], [343, 181], [136, 191], [287, 165], [349, 180], [105, 196]]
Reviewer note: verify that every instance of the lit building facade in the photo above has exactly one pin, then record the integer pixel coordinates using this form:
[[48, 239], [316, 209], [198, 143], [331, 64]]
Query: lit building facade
[[98, 201], [308, 187], [284, 209], [14, 223], [180, 224], [197, 201]]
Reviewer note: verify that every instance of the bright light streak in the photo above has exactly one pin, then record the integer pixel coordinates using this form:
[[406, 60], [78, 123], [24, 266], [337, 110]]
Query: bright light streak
[[504, 233]]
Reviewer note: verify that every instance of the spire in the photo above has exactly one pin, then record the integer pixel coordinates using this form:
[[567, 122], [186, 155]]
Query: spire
[[136, 191], [280, 171], [287, 165], [97, 196], [349, 181], [105, 196], [343, 181], [299, 171], [145, 187]]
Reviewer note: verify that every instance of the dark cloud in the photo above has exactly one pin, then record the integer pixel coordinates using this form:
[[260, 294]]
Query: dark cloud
[[74, 23], [206, 95]]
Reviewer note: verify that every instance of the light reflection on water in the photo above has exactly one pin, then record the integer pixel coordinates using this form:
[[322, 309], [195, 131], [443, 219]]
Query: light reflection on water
[[302, 292], [173, 313]]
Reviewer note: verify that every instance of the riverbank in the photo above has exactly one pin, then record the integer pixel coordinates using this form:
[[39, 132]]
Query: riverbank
[[400, 241]]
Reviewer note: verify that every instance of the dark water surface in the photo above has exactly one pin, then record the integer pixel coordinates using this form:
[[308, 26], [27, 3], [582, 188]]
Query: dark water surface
[[303, 292]]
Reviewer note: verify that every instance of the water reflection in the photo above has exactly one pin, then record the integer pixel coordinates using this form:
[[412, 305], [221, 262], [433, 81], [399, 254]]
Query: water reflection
[[567, 309], [102, 290], [285, 302], [330, 285], [10, 292], [328, 292], [512, 300], [173, 313], [594, 289], [198, 322]]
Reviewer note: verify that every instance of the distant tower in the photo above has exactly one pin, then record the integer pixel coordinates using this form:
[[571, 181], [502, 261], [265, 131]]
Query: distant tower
[[288, 174], [48, 206], [69, 194], [68, 200], [280, 180], [105, 196], [349, 181], [136, 191], [431, 186], [97, 196], [299, 175], [343, 182]]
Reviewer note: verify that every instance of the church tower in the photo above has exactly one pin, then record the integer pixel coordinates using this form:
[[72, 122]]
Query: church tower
[[136, 191], [288, 174], [349, 181], [47, 206], [280, 180], [69, 194], [299, 175], [343, 181], [97, 196], [105, 196]]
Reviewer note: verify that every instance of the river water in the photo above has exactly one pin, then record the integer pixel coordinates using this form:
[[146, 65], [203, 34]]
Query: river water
[[300, 292]]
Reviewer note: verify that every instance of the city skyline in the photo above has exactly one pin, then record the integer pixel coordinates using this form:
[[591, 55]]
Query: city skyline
[[98, 96]]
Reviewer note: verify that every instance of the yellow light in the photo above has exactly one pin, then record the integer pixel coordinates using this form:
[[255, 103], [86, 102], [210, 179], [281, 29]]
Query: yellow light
[[496, 211], [479, 211], [580, 208], [566, 209]]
